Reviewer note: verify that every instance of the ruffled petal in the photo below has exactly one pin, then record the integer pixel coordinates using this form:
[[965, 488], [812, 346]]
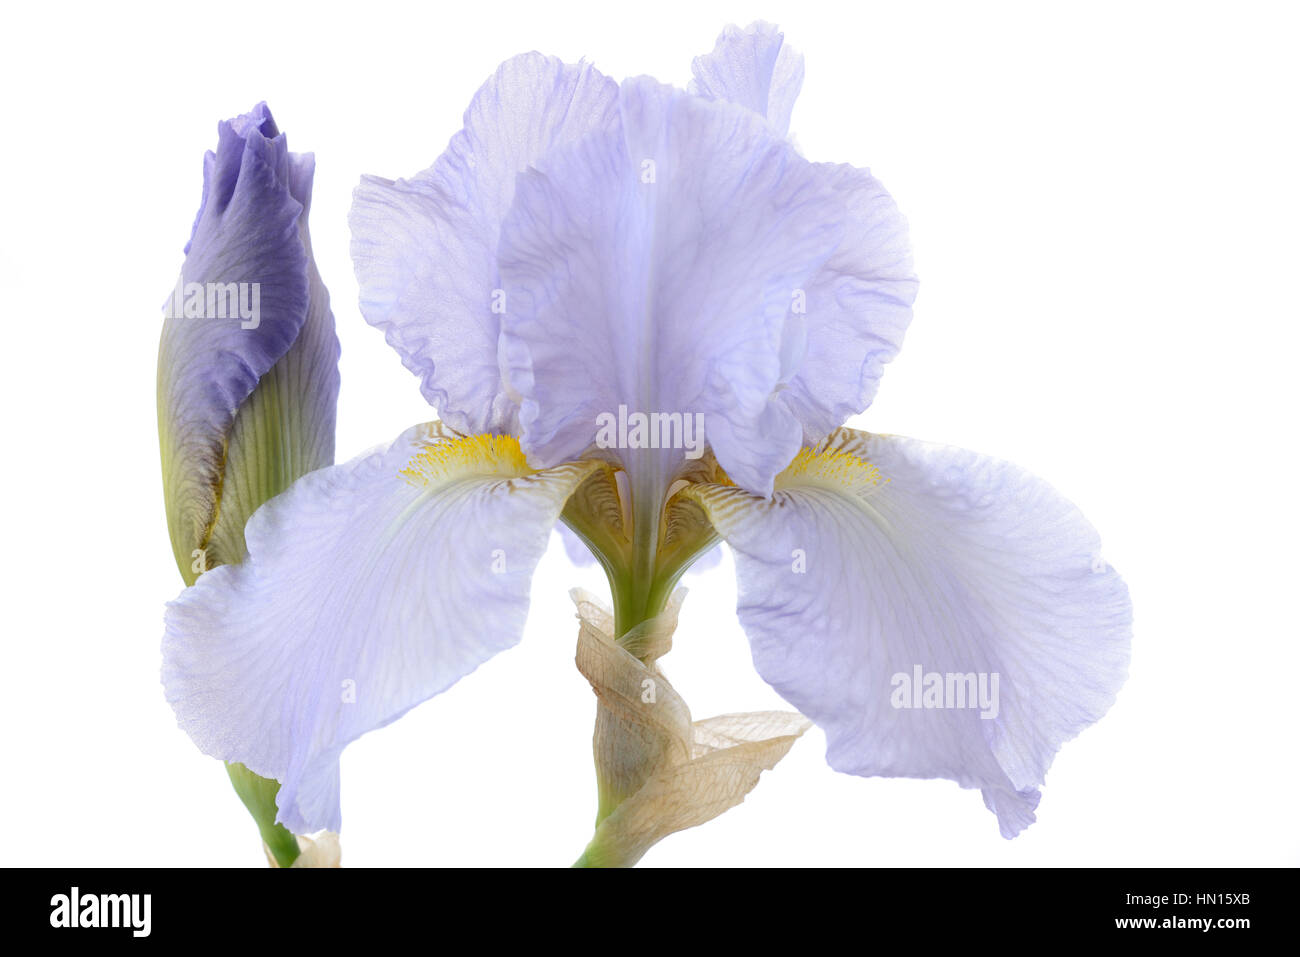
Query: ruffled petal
[[881, 561], [424, 249], [851, 317], [370, 587], [650, 270], [753, 68]]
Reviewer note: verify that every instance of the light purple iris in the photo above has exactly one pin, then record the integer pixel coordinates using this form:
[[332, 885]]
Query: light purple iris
[[585, 246]]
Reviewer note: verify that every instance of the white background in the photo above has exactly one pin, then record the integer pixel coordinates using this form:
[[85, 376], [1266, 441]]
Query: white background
[[1106, 217]]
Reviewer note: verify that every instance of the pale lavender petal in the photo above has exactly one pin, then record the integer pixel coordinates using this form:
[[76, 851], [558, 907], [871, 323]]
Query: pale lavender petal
[[425, 248], [653, 267], [574, 547], [369, 587], [706, 562], [754, 68], [884, 555], [853, 313]]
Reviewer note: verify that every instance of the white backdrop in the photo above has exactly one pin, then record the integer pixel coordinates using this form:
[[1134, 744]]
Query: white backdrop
[[1104, 207]]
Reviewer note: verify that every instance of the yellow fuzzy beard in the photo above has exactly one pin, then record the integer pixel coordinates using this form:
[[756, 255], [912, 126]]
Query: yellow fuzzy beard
[[839, 469], [472, 455]]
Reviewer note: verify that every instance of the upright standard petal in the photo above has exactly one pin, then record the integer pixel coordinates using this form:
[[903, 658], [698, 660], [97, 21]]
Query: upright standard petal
[[649, 271], [425, 248], [369, 587], [849, 320], [248, 301], [754, 68], [936, 612]]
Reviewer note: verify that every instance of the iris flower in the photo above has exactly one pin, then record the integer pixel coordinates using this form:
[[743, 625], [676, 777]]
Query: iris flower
[[586, 249]]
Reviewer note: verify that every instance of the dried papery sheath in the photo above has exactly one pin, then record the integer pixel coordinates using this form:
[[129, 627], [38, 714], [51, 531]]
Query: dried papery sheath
[[659, 772]]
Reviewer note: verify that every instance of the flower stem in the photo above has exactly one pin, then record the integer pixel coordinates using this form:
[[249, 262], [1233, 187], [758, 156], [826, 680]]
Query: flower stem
[[258, 795]]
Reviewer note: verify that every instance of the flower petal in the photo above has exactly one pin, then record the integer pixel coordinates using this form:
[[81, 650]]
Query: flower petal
[[855, 310], [247, 231], [653, 267], [706, 562], [879, 555], [575, 548], [425, 248], [753, 68], [365, 592]]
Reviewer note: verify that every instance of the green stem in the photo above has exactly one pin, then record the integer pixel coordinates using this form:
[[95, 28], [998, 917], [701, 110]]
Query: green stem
[[258, 795], [641, 582], [634, 599]]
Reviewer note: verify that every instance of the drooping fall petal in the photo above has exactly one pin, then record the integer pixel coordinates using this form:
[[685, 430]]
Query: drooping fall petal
[[369, 587], [879, 557]]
